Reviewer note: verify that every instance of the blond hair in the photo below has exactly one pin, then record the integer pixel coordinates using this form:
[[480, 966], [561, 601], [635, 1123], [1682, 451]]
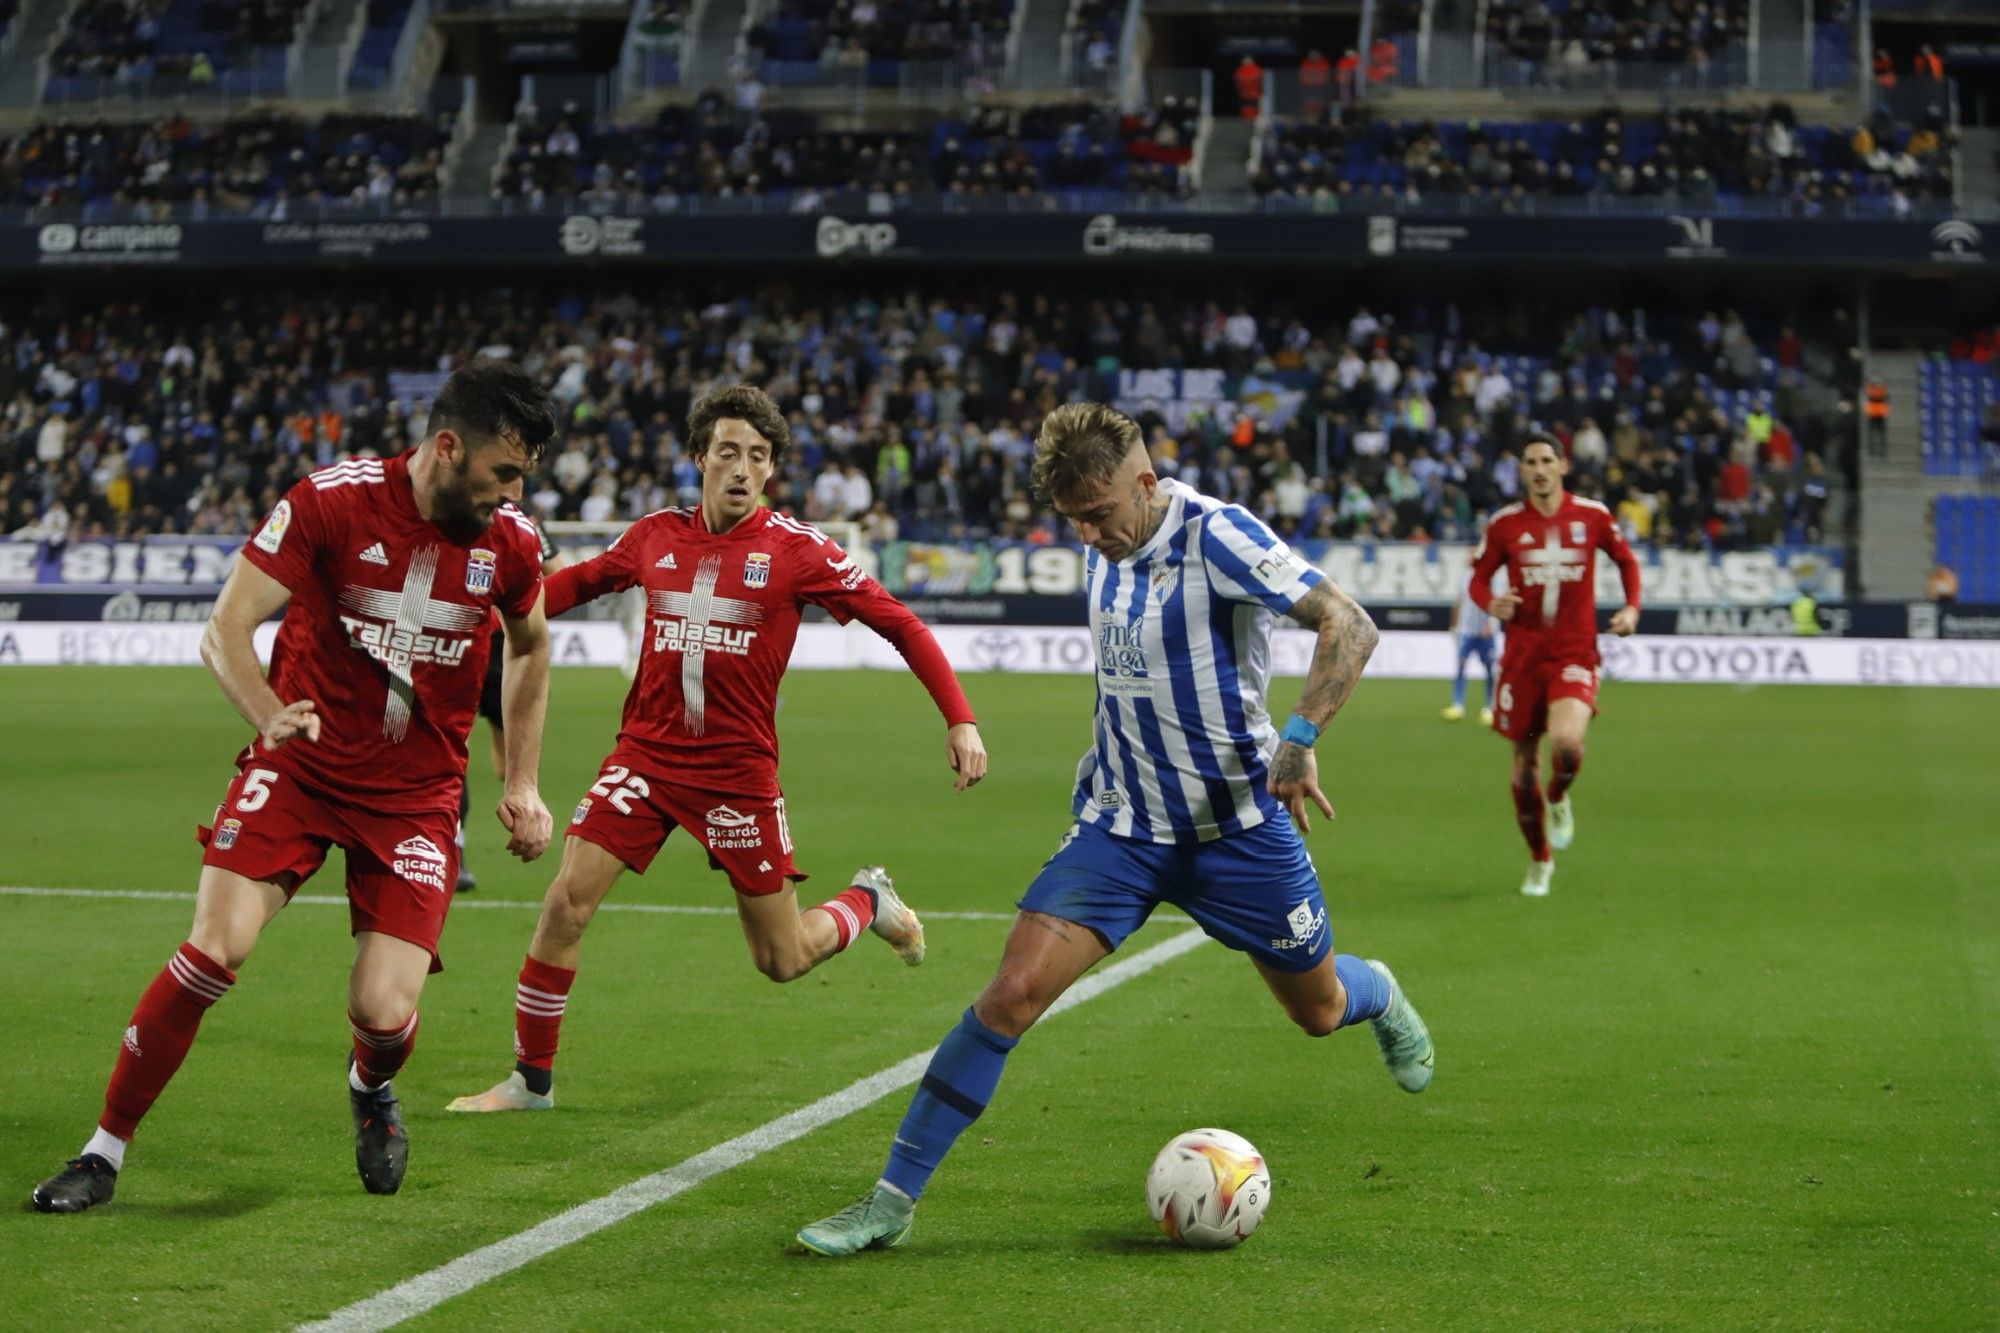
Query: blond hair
[[1080, 448]]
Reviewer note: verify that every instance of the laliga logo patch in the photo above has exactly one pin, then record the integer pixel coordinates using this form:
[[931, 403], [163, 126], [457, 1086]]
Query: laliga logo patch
[[757, 569], [479, 572], [225, 834], [1300, 919], [272, 535]]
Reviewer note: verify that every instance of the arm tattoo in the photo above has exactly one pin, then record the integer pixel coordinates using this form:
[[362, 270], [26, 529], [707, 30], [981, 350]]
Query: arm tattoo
[[1346, 639]]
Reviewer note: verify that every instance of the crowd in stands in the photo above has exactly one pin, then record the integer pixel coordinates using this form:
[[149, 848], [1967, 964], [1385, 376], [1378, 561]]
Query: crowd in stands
[[857, 32], [708, 149], [1692, 156], [121, 40], [265, 163], [915, 413], [1581, 33]]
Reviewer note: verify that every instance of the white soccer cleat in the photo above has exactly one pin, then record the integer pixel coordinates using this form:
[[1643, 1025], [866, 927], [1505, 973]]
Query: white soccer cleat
[[1562, 825], [511, 1095], [1536, 885], [894, 921]]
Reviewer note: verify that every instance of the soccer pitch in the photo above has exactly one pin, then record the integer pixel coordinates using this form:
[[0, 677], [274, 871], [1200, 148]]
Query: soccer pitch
[[1742, 1068]]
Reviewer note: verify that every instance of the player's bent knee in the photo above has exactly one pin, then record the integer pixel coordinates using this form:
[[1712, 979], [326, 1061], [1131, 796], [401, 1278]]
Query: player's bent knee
[[1010, 1006], [1317, 1020], [783, 967]]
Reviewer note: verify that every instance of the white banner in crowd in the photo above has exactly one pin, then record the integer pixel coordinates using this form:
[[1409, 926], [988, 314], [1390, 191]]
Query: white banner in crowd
[[1402, 654]]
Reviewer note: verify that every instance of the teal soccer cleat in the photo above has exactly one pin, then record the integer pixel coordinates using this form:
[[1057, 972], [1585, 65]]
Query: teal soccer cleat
[[879, 1221], [1405, 1041]]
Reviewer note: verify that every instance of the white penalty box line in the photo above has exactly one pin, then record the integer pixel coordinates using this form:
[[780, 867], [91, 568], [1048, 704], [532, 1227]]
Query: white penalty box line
[[427, 1291]]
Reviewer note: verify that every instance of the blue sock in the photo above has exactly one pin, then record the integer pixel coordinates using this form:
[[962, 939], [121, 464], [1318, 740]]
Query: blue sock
[[1367, 989], [954, 1090]]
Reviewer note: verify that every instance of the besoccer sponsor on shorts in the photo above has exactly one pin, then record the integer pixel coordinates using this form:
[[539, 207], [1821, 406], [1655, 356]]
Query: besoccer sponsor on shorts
[[1306, 926], [732, 830], [419, 861]]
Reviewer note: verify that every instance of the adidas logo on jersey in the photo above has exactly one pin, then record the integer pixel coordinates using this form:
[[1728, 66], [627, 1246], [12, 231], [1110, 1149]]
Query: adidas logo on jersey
[[666, 562], [375, 555], [1524, 537]]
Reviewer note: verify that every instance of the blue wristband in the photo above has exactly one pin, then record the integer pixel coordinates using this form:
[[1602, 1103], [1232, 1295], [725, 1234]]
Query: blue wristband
[[1299, 731]]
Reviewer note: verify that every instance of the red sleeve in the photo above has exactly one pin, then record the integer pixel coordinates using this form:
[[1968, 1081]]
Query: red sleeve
[[1614, 544], [287, 545], [1485, 563], [586, 582], [523, 577], [833, 580]]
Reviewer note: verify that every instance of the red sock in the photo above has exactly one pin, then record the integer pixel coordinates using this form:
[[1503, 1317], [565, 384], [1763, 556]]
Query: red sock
[[1528, 813], [157, 1040], [539, 999], [852, 911], [1567, 764], [380, 1052]]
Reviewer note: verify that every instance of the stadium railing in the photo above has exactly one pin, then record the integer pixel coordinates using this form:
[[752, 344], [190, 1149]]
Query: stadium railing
[[786, 203]]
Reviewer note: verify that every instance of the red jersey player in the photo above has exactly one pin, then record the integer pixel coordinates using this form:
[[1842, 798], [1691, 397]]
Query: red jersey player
[[1548, 671], [387, 571], [698, 747]]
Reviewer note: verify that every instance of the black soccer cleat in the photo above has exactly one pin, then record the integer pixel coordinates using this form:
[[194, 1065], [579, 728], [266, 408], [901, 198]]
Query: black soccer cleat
[[381, 1149], [86, 1182]]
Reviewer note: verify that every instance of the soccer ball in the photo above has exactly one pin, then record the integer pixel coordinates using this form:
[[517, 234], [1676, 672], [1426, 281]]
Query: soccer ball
[[1208, 1188]]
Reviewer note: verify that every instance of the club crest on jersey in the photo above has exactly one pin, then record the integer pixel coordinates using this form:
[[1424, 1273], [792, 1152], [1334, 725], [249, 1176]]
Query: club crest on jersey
[[1163, 580], [1576, 534], [757, 569], [225, 834], [479, 567], [582, 811]]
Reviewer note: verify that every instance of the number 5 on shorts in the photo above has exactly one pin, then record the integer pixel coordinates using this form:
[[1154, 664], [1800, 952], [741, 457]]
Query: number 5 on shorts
[[256, 789]]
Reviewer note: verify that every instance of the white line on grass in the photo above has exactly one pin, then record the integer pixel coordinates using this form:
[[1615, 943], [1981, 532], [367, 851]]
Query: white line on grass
[[426, 1291], [458, 904]]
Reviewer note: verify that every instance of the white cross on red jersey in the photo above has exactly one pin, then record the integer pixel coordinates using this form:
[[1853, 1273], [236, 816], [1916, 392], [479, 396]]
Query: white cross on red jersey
[[385, 631], [1551, 564]]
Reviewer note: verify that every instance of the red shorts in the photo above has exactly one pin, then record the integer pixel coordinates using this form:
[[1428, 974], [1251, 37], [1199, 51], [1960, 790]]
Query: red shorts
[[1527, 688], [629, 813], [401, 868]]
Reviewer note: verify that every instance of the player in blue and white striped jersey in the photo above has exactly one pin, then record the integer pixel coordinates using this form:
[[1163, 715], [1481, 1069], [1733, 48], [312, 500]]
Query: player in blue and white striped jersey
[[1188, 795], [1474, 633]]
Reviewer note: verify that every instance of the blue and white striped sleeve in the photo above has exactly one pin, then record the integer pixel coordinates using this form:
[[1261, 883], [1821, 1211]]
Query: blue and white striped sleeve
[[1247, 562]]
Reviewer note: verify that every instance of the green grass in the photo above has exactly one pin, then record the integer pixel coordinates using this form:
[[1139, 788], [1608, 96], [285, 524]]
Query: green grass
[[1743, 1068]]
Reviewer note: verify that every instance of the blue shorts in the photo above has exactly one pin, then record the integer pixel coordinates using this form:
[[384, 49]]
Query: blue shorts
[[1481, 647], [1254, 891]]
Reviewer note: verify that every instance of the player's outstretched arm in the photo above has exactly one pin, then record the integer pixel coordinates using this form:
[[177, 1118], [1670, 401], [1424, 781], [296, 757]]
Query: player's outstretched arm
[[1347, 637], [228, 647], [876, 607], [524, 698], [1626, 618]]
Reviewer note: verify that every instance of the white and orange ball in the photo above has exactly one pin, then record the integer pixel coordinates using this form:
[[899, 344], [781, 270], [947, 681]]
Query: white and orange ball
[[1208, 1189]]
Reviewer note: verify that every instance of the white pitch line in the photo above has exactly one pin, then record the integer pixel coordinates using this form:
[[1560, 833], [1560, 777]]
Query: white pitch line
[[427, 1291], [458, 904]]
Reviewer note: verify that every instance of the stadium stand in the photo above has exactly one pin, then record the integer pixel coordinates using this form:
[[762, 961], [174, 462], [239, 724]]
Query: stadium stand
[[264, 163], [803, 41], [917, 413], [377, 52], [1958, 406], [115, 48], [1553, 41], [1968, 544], [1713, 158]]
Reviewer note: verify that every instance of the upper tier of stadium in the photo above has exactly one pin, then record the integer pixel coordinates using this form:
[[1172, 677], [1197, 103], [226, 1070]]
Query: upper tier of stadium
[[149, 110]]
